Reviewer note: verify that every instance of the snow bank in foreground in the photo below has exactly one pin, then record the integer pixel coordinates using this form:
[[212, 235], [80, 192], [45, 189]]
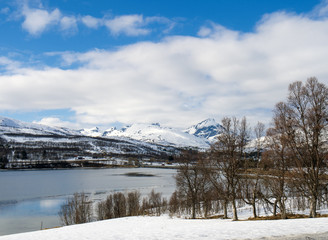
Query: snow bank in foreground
[[164, 228]]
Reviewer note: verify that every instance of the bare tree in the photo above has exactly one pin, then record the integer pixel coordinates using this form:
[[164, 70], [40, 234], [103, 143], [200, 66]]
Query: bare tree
[[76, 210], [174, 204], [145, 207], [213, 174], [250, 183], [119, 205], [133, 203], [190, 180], [155, 202], [105, 208], [227, 159], [280, 158], [101, 215], [303, 119]]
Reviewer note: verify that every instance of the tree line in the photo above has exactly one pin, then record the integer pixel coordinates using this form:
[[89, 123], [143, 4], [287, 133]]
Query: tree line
[[289, 163], [80, 209]]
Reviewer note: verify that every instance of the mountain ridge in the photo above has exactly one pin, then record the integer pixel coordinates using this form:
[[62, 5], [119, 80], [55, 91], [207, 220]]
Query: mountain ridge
[[200, 135], [207, 128], [197, 136], [157, 134], [16, 126], [47, 145]]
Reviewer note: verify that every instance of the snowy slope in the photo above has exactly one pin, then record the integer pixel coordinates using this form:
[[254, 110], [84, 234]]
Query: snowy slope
[[91, 132], [199, 135], [208, 129], [265, 142], [164, 228], [64, 143], [258, 144], [11, 126], [154, 133]]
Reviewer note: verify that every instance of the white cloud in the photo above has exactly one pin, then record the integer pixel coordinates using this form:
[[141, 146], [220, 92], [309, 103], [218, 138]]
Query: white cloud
[[205, 31], [321, 10], [8, 64], [37, 20], [130, 25], [168, 24], [217, 31], [136, 25], [57, 122], [91, 22], [68, 23], [180, 80]]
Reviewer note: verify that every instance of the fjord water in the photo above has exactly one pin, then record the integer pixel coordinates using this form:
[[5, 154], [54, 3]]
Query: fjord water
[[30, 200]]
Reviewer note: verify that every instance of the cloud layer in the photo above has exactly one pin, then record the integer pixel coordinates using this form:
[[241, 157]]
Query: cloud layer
[[180, 80]]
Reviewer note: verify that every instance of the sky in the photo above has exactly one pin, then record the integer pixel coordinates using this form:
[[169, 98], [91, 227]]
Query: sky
[[85, 63]]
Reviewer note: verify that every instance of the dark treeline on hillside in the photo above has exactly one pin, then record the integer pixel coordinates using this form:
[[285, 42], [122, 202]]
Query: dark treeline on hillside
[[286, 170], [51, 154]]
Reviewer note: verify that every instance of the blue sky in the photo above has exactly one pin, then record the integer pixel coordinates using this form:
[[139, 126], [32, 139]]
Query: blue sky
[[80, 63]]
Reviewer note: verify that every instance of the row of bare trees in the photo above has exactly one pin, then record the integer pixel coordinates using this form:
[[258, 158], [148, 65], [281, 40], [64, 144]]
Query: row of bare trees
[[77, 209], [290, 162], [301, 125], [80, 209], [131, 204]]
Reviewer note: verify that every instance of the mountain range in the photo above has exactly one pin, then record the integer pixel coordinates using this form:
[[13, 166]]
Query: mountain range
[[197, 136], [35, 141]]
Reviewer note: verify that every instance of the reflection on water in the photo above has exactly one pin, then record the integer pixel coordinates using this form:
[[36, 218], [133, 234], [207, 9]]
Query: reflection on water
[[29, 215], [49, 204], [43, 207], [30, 200]]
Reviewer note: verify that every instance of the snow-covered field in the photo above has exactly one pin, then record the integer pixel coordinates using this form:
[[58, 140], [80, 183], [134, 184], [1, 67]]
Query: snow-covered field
[[166, 228]]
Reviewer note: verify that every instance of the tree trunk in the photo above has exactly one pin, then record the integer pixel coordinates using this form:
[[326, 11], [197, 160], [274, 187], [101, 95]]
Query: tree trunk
[[193, 210], [254, 209], [275, 207], [234, 210], [254, 205], [282, 207], [313, 207], [225, 209]]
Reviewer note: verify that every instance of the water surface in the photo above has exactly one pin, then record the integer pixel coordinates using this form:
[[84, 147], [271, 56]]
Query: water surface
[[30, 200]]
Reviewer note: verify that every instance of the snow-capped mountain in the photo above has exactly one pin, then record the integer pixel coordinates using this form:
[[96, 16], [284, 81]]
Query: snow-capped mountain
[[199, 135], [39, 142], [109, 131], [155, 133], [135, 139], [207, 129], [265, 141], [11, 126], [91, 132]]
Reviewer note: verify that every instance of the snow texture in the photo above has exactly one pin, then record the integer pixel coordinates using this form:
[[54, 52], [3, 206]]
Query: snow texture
[[207, 129], [154, 133], [91, 132], [11, 126], [163, 228], [197, 136]]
